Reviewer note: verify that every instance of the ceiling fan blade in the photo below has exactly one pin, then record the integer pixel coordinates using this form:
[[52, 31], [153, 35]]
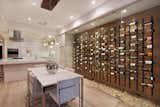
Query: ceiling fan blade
[[49, 4]]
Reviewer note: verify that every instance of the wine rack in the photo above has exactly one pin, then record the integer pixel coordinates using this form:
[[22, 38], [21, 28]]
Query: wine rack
[[120, 56]]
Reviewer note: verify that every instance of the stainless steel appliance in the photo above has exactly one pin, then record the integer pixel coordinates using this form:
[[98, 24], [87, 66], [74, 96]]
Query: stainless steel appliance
[[13, 53]]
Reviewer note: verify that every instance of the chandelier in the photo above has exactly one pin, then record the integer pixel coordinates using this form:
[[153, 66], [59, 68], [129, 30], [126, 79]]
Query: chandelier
[[49, 42]]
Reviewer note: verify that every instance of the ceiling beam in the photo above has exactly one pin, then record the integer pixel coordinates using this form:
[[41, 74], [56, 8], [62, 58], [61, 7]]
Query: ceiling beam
[[49, 4]]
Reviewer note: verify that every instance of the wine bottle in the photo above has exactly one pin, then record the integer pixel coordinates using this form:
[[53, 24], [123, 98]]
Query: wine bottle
[[132, 23], [97, 51], [111, 29], [121, 41], [133, 36], [111, 46], [112, 35], [148, 31], [146, 69], [112, 40], [112, 68], [112, 56], [120, 48], [132, 50], [121, 72], [133, 44], [131, 78], [132, 71], [102, 64], [121, 29], [121, 54], [122, 60], [146, 54], [146, 39], [103, 54], [103, 49], [112, 50], [148, 85], [104, 38], [122, 35], [148, 46], [102, 44], [112, 73], [148, 62], [90, 45], [132, 30], [120, 66], [132, 64], [150, 78], [149, 23]]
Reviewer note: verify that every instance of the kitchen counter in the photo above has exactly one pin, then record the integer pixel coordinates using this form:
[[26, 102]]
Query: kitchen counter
[[21, 61], [16, 69]]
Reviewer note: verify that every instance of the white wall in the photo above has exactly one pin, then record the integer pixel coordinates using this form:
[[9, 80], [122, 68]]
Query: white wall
[[31, 42], [65, 50]]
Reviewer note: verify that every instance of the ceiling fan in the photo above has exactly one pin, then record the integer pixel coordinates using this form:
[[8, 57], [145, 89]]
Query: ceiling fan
[[49, 4]]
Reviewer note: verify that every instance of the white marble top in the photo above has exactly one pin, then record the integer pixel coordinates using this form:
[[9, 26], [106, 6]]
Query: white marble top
[[21, 61], [47, 79]]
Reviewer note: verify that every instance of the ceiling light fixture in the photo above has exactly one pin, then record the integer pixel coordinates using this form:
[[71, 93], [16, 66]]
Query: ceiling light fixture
[[124, 11], [29, 19], [93, 2], [76, 30], [71, 17], [34, 4], [92, 24]]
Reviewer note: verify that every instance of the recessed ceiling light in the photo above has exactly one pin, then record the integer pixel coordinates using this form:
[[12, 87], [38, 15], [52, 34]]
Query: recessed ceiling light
[[76, 30], [124, 11], [92, 24], [29, 19], [34, 4], [93, 2], [49, 36], [71, 17]]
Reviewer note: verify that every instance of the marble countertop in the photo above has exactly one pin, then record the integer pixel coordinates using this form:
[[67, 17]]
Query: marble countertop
[[22, 61], [47, 79]]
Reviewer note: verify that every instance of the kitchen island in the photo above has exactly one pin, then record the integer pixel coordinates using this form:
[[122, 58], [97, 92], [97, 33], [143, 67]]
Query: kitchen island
[[16, 69]]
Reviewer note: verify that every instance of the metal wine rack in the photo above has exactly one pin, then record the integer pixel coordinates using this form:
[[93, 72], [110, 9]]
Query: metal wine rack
[[120, 55]]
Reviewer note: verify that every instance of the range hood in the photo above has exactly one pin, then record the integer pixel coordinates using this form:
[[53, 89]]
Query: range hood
[[16, 36]]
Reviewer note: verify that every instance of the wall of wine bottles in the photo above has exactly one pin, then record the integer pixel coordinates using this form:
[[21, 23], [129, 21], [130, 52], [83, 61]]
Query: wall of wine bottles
[[123, 54]]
